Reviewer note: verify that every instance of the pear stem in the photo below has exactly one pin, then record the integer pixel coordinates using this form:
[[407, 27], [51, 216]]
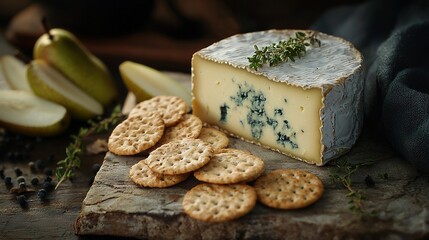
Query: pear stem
[[46, 28]]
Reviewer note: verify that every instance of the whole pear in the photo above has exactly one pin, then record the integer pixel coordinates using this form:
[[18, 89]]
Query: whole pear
[[61, 49]]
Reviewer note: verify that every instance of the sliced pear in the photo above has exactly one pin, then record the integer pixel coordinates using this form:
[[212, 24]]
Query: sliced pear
[[25, 113], [49, 83], [146, 82], [14, 71]]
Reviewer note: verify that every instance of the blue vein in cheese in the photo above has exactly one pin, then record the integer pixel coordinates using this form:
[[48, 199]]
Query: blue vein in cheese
[[253, 102]]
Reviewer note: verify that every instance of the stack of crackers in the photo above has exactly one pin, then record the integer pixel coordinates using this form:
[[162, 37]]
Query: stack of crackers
[[178, 145]]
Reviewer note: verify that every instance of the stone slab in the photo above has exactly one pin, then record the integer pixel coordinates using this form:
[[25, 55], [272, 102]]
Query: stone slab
[[395, 208]]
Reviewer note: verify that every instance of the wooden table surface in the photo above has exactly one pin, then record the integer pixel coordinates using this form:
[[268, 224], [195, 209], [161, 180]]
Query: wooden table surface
[[56, 217]]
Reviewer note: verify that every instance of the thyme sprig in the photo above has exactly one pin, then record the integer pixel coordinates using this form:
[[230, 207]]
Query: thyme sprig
[[283, 51], [65, 168], [343, 174]]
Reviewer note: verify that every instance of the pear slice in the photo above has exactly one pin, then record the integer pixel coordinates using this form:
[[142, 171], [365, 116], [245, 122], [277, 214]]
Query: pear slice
[[49, 83], [14, 71], [146, 82], [25, 113]]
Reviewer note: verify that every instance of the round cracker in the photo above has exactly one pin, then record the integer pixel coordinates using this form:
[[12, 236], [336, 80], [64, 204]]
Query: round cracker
[[231, 166], [171, 108], [189, 126], [217, 139], [180, 156], [136, 134], [288, 188], [141, 175], [219, 203]]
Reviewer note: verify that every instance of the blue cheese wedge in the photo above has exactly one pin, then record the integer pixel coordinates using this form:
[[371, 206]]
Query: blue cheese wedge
[[310, 109]]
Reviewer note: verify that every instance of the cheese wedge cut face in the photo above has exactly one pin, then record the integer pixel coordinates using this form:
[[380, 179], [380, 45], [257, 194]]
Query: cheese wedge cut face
[[310, 109]]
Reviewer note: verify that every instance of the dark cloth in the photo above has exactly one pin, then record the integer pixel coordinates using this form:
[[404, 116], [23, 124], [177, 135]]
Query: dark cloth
[[393, 37]]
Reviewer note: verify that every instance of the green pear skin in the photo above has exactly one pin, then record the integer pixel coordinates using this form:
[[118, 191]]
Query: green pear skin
[[68, 55], [25, 113], [81, 106]]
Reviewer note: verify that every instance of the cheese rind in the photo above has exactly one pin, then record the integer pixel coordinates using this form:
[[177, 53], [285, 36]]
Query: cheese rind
[[310, 109]]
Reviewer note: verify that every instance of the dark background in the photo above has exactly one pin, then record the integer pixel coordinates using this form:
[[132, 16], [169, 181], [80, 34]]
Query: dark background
[[160, 33]]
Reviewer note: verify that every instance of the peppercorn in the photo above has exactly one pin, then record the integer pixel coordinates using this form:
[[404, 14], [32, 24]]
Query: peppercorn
[[20, 179], [48, 186], [48, 171], [18, 171], [48, 179], [90, 181], [42, 194], [95, 168], [35, 181], [8, 181], [369, 181], [22, 200], [22, 187], [40, 165]]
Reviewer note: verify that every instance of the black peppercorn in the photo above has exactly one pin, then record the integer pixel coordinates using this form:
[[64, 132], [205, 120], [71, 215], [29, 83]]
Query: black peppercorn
[[48, 186], [369, 181], [42, 194], [90, 181], [48, 171], [20, 179], [40, 165], [22, 200], [22, 187], [95, 168], [48, 179], [8, 181], [35, 181], [18, 172]]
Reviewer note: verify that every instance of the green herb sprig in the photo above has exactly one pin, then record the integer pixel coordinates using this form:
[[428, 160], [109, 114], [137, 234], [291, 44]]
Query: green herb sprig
[[65, 168], [343, 174], [283, 51]]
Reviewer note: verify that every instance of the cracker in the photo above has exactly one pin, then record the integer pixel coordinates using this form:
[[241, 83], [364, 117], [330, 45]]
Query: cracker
[[288, 189], [141, 175], [180, 156], [136, 134], [214, 137], [231, 166], [189, 126], [171, 108], [219, 203]]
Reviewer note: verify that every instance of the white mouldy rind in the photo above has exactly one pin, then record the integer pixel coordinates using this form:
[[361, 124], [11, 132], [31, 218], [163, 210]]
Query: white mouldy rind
[[335, 69]]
